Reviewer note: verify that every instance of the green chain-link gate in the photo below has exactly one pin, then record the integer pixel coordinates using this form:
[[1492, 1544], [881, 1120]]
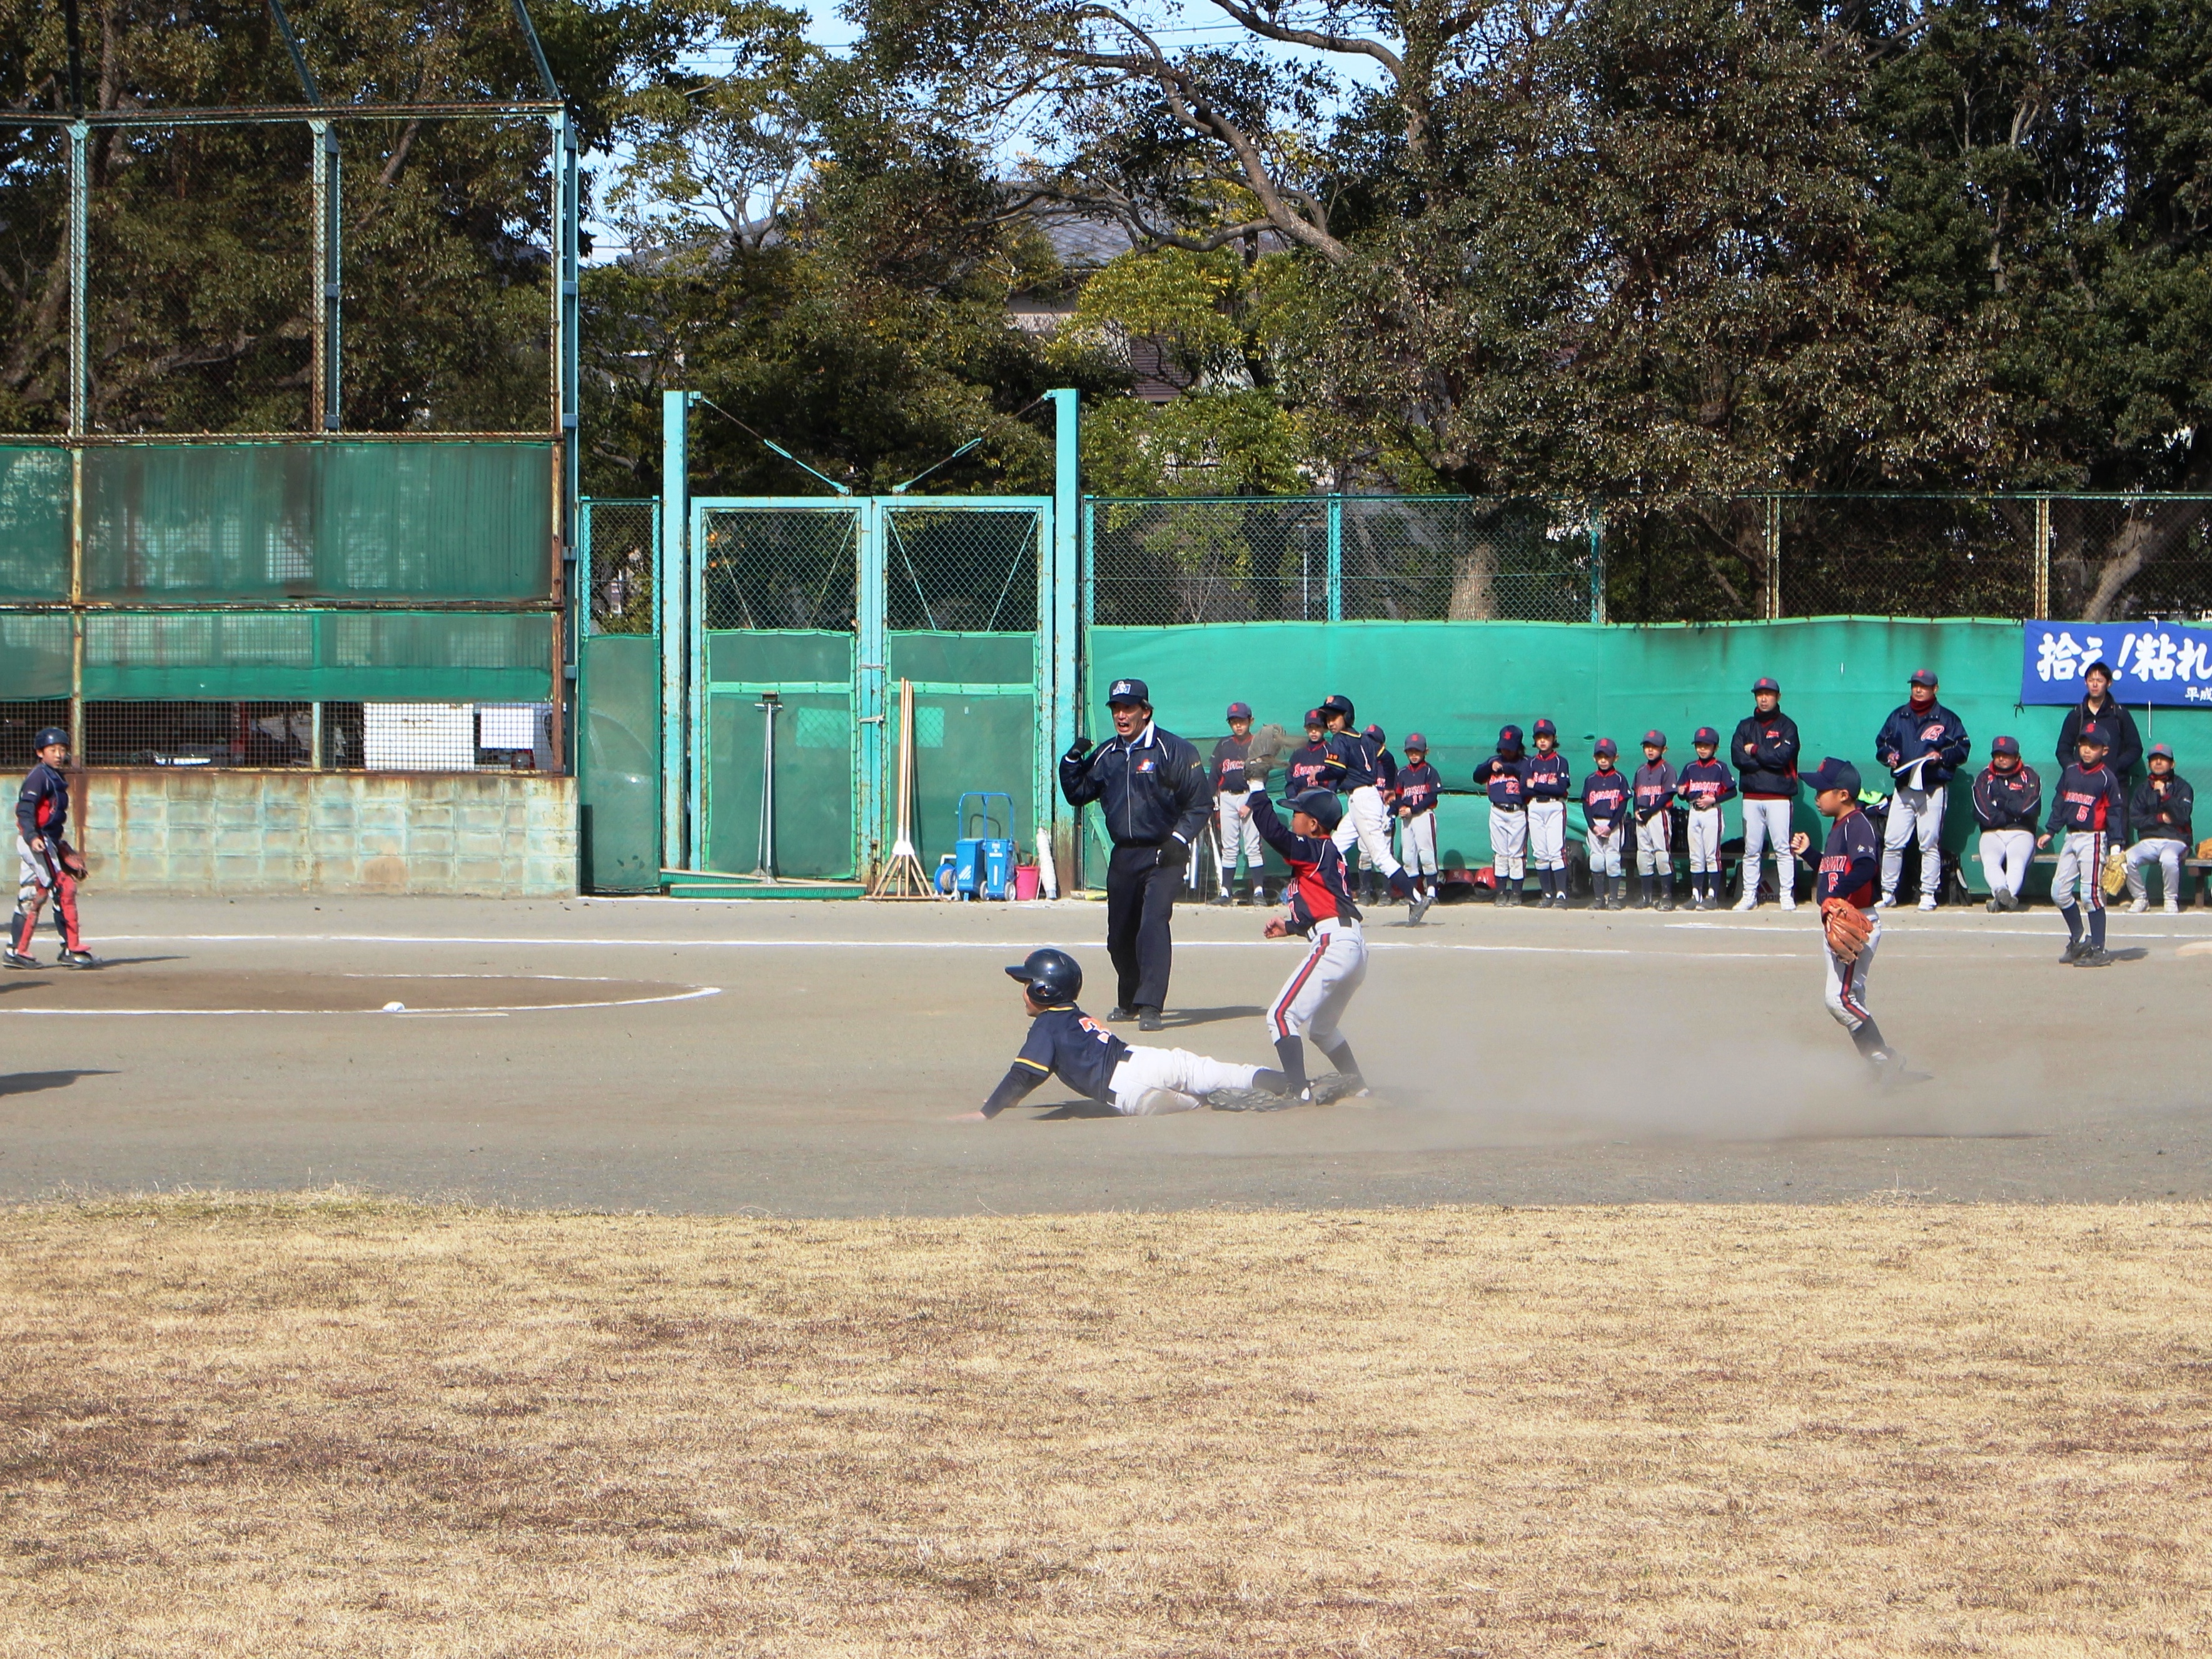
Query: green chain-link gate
[[827, 605]]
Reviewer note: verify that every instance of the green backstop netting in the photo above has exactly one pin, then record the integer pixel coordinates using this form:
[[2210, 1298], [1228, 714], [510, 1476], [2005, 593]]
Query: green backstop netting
[[35, 523], [618, 780]]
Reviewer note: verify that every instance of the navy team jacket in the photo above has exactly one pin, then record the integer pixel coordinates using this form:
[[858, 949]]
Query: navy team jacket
[[43, 808], [1504, 779], [2163, 814], [1419, 786], [1318, 888], [2089, 802], [1909, 733], [1549, 778], [2007, 800], [1605, 799]]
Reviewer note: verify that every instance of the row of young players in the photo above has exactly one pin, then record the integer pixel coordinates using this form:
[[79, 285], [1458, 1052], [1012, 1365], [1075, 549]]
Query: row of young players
[[1065, 1041]]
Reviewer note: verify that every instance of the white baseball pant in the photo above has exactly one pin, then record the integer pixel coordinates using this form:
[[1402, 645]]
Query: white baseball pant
[[1655, 850], [1233, 819], [1705, 840], [1914, 812], [2005, 857], [1417, 836], [1548, 834], [1766, 825], [1605, 850], [1367, 822], [1313, 998], [1508, 841], [1146, 1070], [2081, 865], [1847, 981], [2165, 853]]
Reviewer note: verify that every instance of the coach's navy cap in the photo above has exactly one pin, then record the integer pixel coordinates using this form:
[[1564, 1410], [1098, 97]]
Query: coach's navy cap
[[2004, 746], [1833, 774], [1924, 677], [1240, 711], [1509, 737], [1705, 737], [1129, 691], [1655, 739], [1607, 746], [1415, 742], [2160, 752], [1322, 806], [1759, 685]]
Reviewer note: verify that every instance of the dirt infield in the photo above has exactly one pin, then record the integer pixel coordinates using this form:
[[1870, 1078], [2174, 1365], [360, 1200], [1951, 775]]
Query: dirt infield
[[338, 1427], [792, 1059]]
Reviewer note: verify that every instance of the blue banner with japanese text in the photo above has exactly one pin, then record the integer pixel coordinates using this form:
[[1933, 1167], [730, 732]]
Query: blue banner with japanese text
[[2153, 663]]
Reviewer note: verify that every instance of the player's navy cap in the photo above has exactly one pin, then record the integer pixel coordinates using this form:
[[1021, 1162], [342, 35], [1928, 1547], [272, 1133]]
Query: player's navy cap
[[2159, 751], [1129, 691], [1322, 806], [1414, 740], [1833, 774], [1655, 739], [1337, 703], [1607, 746], [2090, 734], [1509, 737], [1315, 717], [1765, 685], [2004, 746], [1545, 729], [1375, 734], [1924, 677], [48, 737], [1705, 737], [1240, 711]]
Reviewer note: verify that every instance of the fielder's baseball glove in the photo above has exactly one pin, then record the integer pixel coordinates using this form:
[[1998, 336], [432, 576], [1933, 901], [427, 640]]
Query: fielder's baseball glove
[[2204, 847], [1848, 928], [2114, 876]]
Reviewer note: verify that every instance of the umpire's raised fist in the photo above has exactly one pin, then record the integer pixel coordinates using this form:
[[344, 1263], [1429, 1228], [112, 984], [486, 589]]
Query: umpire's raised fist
[[1079, 749]]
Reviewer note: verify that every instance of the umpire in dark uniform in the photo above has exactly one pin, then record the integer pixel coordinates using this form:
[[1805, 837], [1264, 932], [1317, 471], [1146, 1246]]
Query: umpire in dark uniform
[[1152, 787]]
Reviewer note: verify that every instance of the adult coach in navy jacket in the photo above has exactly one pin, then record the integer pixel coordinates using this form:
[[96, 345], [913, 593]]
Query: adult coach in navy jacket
[[1151, 787], [1923, 744], [2102, 709]]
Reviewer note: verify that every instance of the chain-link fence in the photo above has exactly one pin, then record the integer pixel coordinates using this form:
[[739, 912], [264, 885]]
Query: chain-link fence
[[618, 540], [1336, 559], [961, 569], [772, 567]]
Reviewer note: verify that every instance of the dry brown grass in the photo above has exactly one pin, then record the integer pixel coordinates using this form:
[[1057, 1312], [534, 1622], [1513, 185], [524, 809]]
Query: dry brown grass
[[337, 1426]]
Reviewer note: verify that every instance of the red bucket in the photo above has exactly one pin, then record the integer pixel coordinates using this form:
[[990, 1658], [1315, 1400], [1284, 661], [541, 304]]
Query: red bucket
[[1025, 882]]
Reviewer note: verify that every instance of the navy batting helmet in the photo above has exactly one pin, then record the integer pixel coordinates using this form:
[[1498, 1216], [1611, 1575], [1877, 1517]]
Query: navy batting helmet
[[1337, 703], [1509, 737], [49, 736], [1053, 977], [1545, 729], [1321, 805], [1706, 737]]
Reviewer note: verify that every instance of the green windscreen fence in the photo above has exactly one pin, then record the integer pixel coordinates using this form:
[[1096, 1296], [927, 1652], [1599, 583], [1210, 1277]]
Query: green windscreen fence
[[1457, 683], [975, 718], [35, 523], [816, 750], [389, 521], [618, 770]]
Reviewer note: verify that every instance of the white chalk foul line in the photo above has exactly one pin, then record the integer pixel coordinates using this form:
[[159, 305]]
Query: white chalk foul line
[[386, 1013]]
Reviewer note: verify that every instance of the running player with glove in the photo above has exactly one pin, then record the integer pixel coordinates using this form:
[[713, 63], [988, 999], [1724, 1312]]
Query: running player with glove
[[1845, 890]]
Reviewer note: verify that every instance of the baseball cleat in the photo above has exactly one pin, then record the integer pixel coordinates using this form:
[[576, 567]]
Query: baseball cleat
[[1887, 901], [1748, 901], [1993, 907], [77, 959], [1247, 1100], [1927, 901], [1789, 901], [2095, 957], [1160, 1103], [2076, 948], [1117, 1015], [1337, 1085], [2139, 906], [2173, 909], [1222, 899], [1148, 1020], [1666, 901], [1418, 909], [17, 959]]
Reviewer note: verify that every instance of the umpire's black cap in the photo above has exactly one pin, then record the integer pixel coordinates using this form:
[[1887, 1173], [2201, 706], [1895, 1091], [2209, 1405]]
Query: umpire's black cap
[[1833, 774], [1129, 691]]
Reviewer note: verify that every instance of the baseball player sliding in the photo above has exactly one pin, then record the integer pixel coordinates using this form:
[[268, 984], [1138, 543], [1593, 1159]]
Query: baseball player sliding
[[1843, 889]]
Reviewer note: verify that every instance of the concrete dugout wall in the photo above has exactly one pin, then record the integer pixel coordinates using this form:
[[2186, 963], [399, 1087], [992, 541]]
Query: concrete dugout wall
[[1457, 683], [211, 832]]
